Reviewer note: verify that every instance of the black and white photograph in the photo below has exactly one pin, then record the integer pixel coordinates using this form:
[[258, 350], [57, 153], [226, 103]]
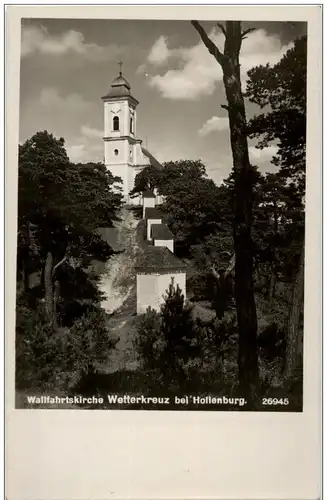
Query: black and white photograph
[[161, 215]]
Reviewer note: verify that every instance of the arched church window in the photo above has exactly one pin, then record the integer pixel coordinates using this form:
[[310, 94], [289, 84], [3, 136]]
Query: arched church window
[[131, 126], [116, 152], [116, 123]]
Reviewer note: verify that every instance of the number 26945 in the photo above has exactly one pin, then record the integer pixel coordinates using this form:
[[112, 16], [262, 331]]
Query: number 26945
[[275, 401]]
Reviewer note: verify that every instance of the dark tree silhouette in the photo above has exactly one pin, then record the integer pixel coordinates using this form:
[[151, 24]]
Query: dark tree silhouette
[[243, 201]]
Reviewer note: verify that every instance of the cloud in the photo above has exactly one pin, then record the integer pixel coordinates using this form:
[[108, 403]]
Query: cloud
[[81, 152], [214, 124], [37, 39], [86, 147], [62, 115], [91, 132], [262, 155], [198, 71], [159, 52], [76, 152], [50, 98]]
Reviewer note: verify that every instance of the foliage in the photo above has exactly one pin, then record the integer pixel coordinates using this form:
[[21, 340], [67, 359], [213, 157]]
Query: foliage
[[35, 352], [87, 344], [167, 341], [164, 179], [148, 178], [281, 90], [61, 205], [44, 359], [63, 202], [179, 352], [191, 200]]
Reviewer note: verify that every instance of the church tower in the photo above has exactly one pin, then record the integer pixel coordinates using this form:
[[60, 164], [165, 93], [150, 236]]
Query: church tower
[[124, 155], [120, 143]]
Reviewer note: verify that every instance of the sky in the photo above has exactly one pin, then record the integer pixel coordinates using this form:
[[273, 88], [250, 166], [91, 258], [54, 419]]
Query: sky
[[68, 64]]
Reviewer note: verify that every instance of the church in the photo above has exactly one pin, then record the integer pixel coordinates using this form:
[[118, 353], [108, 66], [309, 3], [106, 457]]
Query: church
[[124, 155]]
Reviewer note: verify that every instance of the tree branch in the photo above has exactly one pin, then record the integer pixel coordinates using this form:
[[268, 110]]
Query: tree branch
[[231, 267], [224, 106], [212, 48], [214, 273], [246, 32], [227, 272], [222, 27], [58, 265]]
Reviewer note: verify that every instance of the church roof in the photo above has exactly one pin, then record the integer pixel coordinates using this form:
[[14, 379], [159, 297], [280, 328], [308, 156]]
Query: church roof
[[156, 259], [120, 81], [161, 232], [120, 87], [152, 213], [153, 161], [148, 194]]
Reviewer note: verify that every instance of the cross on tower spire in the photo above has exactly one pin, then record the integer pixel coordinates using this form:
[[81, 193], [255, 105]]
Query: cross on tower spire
[[120, 64]]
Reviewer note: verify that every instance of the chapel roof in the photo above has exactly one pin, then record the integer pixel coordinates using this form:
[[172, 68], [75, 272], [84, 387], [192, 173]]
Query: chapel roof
[[156, 259], [152, 213], [161, 232], [148, 193]]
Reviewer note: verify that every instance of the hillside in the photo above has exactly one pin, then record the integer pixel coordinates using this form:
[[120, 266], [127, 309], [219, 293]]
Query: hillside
[[118, 284]]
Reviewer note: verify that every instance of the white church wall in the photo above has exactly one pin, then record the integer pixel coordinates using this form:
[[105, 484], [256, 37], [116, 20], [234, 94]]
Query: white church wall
[[146, 292], [123, 109], [149, 224], [158, 200], [119, 171], [140, 158], [165, 243], [111, 158], [152, 288], [148, 202]]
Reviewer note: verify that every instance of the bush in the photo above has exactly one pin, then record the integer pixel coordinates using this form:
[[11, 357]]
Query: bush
[[87, 344], [167, 341], [35, 353], [178, 353], [52, 359]]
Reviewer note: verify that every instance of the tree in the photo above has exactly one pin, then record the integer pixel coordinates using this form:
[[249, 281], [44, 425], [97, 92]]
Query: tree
[[192, 209], [60, 207], [281, 90], [164, 179], [191, 200], [167, 341], [243, 202], [43, 359], [148, 178]]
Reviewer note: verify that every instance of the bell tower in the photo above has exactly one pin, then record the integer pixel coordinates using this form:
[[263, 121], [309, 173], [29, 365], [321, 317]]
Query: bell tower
[[120, 132]]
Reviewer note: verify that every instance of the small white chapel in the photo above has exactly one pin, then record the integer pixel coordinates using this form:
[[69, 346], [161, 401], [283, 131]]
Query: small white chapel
[[124, 154]]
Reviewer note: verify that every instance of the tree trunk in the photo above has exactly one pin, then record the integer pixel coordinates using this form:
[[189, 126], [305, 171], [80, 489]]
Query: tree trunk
[[56, 297], [294, 345], [244, 289], [48, 288], [26, 267], [24, 255], [272, 284]]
